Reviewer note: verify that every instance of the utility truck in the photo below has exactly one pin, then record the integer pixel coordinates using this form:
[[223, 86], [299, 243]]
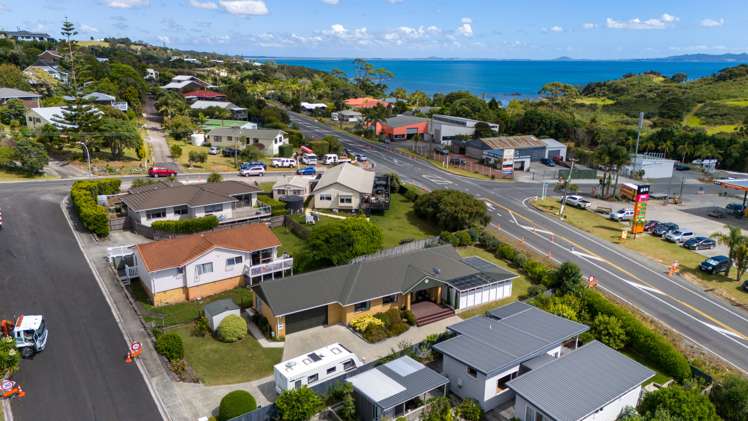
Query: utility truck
[[29, 332]]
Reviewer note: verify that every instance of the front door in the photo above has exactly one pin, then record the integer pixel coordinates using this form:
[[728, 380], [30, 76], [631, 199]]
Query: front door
[[423, 295]]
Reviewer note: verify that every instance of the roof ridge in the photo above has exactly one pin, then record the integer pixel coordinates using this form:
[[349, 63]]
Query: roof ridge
[[350, 281]]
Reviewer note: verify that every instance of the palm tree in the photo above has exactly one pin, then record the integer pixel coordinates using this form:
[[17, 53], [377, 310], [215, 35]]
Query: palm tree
[[619, 157], [732, 239], [684, 149]]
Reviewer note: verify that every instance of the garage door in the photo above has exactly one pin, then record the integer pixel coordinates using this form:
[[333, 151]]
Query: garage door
[[306, 319], [552, 153]]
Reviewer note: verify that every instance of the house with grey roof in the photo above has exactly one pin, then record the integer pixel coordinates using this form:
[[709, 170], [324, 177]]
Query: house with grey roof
[[268, 141], [395, 389], [350, 116], [237, 112], [230, 201], [37, 118], [489, 351], [185, 83], [23, 35], [432, 282], [295, 185], [344, 186], [592, 383], [29, 99]]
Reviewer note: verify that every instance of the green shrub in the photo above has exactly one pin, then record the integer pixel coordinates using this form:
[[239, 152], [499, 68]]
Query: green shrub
[[519, 259], [535, 291], [10, 358], [276, 206], [187, 226], [94, 217], [469, 410], [450, 238], [409, 317], [214, 177], [609, 330], [398, 328], [170, 346], [236, 403], [536, 271], [285, 150], [506, 252], [263, 324], [200, 326], [464, 238], [197, 157], [176, 151], [488, 242], [232, 328], [410, 193], [451, 210], [375, 334], [338, 391], [298, 404]]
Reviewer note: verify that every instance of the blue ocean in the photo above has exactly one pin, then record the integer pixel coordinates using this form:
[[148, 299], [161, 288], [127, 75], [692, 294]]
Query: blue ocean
[[506, 79]]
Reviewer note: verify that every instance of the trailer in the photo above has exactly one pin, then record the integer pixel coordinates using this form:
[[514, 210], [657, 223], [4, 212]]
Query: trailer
[[315, 367]]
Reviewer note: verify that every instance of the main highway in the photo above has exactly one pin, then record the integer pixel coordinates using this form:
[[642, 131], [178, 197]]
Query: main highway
[[716, 326]]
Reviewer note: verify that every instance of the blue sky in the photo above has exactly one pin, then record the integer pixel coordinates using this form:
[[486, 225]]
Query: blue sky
[[404, 28]]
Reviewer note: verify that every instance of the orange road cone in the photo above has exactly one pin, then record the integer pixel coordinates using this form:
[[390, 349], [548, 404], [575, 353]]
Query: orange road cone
[[128, 358], [21, 393]]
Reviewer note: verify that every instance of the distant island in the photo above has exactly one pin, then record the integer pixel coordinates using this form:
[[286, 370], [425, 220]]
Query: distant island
[[705, 58]]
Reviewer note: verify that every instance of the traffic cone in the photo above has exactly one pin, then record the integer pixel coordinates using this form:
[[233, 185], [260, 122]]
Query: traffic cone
[[128, 358], [21, 393]]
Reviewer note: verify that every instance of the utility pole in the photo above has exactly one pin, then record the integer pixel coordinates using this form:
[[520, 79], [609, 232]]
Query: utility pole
[[638, 137], [566, 189]]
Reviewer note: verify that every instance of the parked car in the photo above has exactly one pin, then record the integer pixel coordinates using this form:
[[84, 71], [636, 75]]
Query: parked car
[[361, 157], [254, 164], [213, 150], [306, 171], [577, 201], [163, 169], [700, 243], [622, 215], [330, 159], [254, 170], [681, 167], [441, 150], [718, 213], [678, 236], [457, 161], [663, 228], [283, 163], [229, 152], [343, 160], [735, 208], [744, 287], [309, 159], [715, 264], [650, 225], [547, 162]]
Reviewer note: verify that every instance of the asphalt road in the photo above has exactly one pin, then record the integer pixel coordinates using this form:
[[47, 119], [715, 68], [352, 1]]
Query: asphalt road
[[81, 375], [709, 322]]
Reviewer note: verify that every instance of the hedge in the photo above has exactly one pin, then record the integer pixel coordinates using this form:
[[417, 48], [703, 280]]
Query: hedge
[[187, 226], [285, 150], [236, 403], [409, 192], [94, 217], [276, 206]]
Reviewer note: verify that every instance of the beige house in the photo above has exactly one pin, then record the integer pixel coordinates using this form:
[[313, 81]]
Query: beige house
[[344, 186], [292, 186], [267, 140]]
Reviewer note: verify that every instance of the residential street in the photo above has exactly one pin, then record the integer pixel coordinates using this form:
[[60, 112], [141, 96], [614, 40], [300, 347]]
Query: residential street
[[81, 375], [155, 138], [712, 323]]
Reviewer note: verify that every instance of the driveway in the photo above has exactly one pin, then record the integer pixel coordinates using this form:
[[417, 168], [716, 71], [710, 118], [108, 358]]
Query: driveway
[[300, 343], [159, 147]]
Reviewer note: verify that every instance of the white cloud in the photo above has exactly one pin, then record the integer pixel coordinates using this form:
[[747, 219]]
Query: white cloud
[[589, 25], [244, 7], [556, 29], [395, 1], [698, 48], [661, 22], [337, 28], [126, 4], [88, 29], [466, 28], [466, 20], [164, 39], [712, 23], [332, 2], [207, 5]]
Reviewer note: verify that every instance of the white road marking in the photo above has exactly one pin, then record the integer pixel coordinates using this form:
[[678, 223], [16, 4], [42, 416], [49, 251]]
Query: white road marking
[[589, 256], [436, 179], [721, 330], [643, 287]]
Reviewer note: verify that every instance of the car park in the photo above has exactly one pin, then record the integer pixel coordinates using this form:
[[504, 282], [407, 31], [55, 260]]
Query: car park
[[306, 171], [283, 163], [718, 213], [578, 201], [622, 215], [678, 236], [700, 243], [163, 169], [547, 162], [650, 225], [715, 264], [213, 150], [252, 170], [664, 228]]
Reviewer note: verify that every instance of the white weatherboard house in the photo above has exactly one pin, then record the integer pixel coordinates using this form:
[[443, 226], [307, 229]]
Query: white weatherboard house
[[489, 351], [267, 140], [315, 367], [291, 186], [593, 383], [343, 186]]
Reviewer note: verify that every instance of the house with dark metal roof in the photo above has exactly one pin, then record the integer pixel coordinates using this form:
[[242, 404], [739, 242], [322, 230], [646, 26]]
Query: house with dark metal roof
[[592, 383], [402, 127], [524, 149], [24, 35], [29, 99], [237, 112], [432, 282], [229, 201], [489, 351], [395, 389]]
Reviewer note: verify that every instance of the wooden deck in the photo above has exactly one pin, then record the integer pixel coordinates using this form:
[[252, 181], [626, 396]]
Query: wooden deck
[[428, 312]]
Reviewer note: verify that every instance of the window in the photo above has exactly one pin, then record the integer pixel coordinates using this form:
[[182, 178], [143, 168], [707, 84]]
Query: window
[[312, 379], [501, 383], [180, 269], [217, 139], [213, 208], [349, 365], [331, 370], [280, 325], [155, 214], [389, 299], [325, 197], [346, 200], [529, 413], [231, 261], [472, 372], [229, 138], [181, 210], [204, 268], [361, 306], [538, 416]]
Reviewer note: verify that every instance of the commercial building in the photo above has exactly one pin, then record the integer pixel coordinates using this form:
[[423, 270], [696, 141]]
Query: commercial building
[[525, 149], [649, 166], [402, 127], [445, 128]]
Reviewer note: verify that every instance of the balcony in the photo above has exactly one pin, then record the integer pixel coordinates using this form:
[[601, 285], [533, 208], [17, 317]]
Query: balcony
[[247, 213], [257, 272]]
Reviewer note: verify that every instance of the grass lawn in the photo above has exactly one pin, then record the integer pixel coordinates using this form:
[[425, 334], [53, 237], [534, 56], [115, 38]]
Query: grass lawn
[[15, 176], [735, 102], [182, 313], [591, 100], [290, 243], [725, 128], [519, 285], [401, 223], [653, 247], [267, 187], [217, 163], [659, 377], [216, 362]]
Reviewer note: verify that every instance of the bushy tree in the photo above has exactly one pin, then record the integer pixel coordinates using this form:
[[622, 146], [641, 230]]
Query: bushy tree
[[170, 346], [567, 278], [49, 136], [236, 403], [12, 77], [232, 328], [469, 410], [298, 404], [214, 177], [179, 127], [31, 156], [340, 241], [10, 358], [440, 410], [609, 330], [118, 135], [452, 210], [197, 157], [730, 397], [175, 150], [13, 110], [680, 402]]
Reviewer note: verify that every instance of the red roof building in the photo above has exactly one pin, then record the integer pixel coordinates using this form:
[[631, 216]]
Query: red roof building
[[366, 102], [205, 95]]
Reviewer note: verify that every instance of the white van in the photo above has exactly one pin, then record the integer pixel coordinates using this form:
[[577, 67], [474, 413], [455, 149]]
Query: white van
[[330, 159], [315, 367], [283, 163], [309, 159]]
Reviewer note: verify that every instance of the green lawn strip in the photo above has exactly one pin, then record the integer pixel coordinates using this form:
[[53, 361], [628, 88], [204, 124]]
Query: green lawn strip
[[592, 100], [290, 243], [519, 285], [659, 377], [401, 223], [450, 169], [216, 362], [652, 247], [735, 102], [267, 187], [176, 314], [16, 176]]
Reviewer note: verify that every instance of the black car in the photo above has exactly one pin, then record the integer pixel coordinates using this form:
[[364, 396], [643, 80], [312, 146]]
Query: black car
[[716, 264], [744, 287], [681, 167], [663, 228], [441, 150], [457, 161], [230, 151], [547, 162], [700, 243], [650, 225], [735, 208]]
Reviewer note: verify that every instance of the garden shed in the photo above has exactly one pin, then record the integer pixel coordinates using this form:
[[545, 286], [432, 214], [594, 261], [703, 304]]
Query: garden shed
[[218, 310]]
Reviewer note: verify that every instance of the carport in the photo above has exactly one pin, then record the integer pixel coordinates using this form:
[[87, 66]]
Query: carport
[[740, 185]]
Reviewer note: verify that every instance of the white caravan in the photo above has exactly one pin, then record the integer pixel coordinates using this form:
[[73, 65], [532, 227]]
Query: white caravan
[[315, 367]]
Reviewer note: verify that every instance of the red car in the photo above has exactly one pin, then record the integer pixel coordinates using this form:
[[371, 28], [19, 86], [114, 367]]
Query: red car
[[162, 170]]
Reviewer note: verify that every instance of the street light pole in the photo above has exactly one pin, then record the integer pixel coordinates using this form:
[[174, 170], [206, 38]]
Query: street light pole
[[88, 158], [638, 136], [566, 189]]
